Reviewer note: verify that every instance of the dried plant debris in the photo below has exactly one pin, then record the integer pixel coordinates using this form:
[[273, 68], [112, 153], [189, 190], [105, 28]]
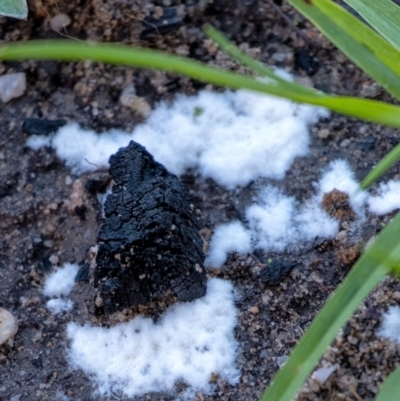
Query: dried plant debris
[[149, 245], [337, 204]]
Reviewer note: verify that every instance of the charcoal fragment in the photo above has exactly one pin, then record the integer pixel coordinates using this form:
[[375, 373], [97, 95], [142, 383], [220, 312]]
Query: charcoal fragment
[[366, 143], [83, 273], [276, 271], [304, 61], [37, 362], [37, 126], [80, 211], [149, 245], [46, 264]]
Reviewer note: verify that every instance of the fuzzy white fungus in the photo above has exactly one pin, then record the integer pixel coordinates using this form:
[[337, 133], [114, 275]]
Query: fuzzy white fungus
[[58, 305], [387, 200], [189, 343], [231, 237], [61, 281], [391, 324], [232, 137]]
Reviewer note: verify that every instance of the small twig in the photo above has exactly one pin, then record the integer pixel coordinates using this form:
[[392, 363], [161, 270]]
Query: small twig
[[93, 164], [354, 392], [66, 35]]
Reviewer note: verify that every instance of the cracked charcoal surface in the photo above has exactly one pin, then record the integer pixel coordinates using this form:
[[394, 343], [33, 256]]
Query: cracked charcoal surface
[[149, 245]]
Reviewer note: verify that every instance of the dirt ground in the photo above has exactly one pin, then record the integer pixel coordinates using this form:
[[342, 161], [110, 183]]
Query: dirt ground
[[38, 230]]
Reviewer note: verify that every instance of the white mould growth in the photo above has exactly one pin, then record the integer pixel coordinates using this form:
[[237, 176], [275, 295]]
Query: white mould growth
[[391, 324], [340, 176], [61, 281], [58, 305], [58, 285], [232, 137], [387, 199], [231, 237], [189, 343]]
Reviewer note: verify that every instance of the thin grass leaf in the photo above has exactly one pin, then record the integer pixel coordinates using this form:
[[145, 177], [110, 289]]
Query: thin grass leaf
[[65, 50], [382, 15], [361, 44], [379, 259], [258, 67], [14, 8], [390, 389], [384, 165]]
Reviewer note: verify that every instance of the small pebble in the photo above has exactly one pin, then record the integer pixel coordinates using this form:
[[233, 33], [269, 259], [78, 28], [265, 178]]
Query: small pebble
[[371, 90], [12, 86], [8, 326], [54, 259], [321, 375], [254, 310], [138, 104], [323, 133], [59, 22], [279, 57], [344, 143], [281, 360]]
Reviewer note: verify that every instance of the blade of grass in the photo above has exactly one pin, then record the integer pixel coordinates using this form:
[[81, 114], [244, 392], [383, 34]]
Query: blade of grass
[[361, 44], [387, 162], [373, 265], [64, 50], [390, 389], [384, 165], [14, 8], [382, 15], [258, 67]]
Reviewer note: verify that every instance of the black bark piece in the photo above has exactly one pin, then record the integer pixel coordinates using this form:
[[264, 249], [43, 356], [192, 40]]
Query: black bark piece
[[83, 273], [149, 245], [37, 126], [276, 271]]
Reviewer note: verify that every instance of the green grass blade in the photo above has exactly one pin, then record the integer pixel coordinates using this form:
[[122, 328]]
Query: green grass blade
[[373, 265], [390, 389], [14, 8], [64, 50], [258, 67], [384, 165], [373, 54], [382, 15]]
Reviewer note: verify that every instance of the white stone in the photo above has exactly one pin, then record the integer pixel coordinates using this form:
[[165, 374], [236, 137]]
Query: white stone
[[12, 86], [138, 104], [8, 326], [321, 375], [59, 22]]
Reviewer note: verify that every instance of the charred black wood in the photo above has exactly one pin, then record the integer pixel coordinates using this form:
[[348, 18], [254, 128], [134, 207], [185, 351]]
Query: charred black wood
[[37, 126], [276, 271], [149, 245]]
